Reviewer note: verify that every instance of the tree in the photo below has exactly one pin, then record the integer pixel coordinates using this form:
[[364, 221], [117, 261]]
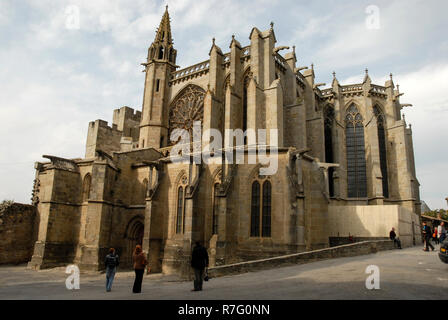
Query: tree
[[442, 213]]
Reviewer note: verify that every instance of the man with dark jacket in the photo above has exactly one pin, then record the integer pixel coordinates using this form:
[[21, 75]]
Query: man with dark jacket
[[111, 263], [199, 261], [393, 237], [427, 234]]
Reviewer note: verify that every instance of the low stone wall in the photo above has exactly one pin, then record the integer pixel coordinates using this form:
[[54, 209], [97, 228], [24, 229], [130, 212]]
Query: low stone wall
[[349, 250], [339, 241], [17, 237]]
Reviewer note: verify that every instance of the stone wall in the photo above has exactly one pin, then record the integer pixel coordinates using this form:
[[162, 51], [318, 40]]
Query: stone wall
[[17, 233], [373, 222], [349, 250]]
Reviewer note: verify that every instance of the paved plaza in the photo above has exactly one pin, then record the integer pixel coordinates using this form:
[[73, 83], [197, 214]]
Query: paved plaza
[[404, 274]]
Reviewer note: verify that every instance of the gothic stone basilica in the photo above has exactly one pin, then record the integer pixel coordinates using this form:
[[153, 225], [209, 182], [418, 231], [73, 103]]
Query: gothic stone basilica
[[345, 166]]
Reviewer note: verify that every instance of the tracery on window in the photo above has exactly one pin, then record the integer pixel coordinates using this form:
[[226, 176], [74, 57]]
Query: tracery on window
[[261, 202], [382, 148], [355, 149], [187, 108]]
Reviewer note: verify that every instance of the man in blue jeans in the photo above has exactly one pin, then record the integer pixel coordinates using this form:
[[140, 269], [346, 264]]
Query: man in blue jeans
[[111, 262]]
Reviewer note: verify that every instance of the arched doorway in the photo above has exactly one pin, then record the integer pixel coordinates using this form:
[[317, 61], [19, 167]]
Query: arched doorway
[[133, 237]]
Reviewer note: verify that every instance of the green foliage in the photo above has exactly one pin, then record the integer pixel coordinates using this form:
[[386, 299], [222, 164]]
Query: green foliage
[[5, 204], [435, 214]]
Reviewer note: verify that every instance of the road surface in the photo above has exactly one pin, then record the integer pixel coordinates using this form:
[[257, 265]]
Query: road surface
[[404, 274]]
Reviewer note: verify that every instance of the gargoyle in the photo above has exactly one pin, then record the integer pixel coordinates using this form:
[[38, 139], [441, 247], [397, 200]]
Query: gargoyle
[[276, 50]]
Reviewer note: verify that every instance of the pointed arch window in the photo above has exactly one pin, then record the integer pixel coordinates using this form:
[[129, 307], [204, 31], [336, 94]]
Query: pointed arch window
[[261, 209], [180, 210], [245, 86], [86, 187], [329, 154], [382, 148], [215, 209], [144, 190], [266, 218], [355, 149], [160, 53], [255, 210]]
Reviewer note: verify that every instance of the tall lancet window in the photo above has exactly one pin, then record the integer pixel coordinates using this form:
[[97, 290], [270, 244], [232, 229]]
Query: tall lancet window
[[215, 209], [86, 187], [329, 156], [245, 85], [255, 210], [180, 206], [260, 222], [356, 158], [266, 217], [382, 148]]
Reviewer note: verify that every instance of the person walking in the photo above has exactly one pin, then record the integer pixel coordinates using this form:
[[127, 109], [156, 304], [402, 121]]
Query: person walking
[[427, 234], [441, 232], [393, 237], [111, 263], [435, 237], [199, 261], [140, 263]]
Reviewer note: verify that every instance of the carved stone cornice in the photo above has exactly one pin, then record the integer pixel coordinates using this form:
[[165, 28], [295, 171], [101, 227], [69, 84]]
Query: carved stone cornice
[[62, 164]]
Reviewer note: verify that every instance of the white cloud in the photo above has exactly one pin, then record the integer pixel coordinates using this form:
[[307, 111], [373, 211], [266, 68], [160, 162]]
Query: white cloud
[[425, 89], [57, 80], [5, 12]]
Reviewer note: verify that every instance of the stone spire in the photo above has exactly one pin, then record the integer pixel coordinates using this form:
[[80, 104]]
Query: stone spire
[[335, 80], [366, 77], [162, 47], [163, 34]]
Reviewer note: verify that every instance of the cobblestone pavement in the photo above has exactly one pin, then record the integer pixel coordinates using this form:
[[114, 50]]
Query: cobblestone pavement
[[404, 274]]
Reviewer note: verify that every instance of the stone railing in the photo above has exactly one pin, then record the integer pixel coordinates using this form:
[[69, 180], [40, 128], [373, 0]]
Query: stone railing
[[197, 69], [378, 89], [245, 54], [245, 51], [327, 92], [351, 88], [300, 79], [280, 61], [226, 60]]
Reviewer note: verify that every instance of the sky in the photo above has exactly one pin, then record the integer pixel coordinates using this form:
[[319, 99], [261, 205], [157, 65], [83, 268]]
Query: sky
[[66, 63]]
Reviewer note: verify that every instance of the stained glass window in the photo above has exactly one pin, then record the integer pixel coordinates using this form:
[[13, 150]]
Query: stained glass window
[[255, 210], [266, 217], [215, 209], [180, 204], [356, 160], [382, 148], [329, 157], [261, 214]]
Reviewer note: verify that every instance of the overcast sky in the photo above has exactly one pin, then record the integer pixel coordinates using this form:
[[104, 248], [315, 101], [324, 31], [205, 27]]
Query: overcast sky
[[55, 78]]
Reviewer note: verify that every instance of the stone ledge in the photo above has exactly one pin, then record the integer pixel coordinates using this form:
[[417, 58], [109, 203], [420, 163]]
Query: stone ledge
[[348, 250]]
